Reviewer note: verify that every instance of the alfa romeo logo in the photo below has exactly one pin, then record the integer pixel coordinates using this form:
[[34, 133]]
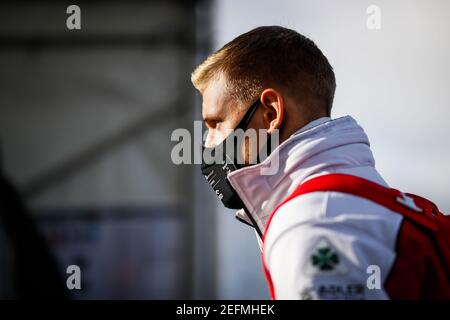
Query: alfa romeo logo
[[325, 259]]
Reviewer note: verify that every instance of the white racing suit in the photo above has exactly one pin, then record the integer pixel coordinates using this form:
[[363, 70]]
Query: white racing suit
[[323, 245]]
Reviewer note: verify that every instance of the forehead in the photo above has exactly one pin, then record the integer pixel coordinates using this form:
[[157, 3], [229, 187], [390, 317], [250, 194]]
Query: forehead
[[215, 99]]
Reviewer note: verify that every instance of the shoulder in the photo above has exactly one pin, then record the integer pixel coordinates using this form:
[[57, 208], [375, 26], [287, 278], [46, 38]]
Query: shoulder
[[321, 237], [333, 212]]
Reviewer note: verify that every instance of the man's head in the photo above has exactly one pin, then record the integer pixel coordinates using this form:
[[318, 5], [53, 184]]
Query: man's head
[[283, 69]]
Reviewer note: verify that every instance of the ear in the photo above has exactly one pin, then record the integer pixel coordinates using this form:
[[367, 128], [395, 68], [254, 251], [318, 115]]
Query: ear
[[273, 104]]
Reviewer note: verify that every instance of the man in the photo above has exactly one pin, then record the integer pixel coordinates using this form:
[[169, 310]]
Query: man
[[321, 244]]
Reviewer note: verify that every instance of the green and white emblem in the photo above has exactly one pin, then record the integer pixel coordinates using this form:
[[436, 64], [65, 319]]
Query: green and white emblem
[[325, 259]]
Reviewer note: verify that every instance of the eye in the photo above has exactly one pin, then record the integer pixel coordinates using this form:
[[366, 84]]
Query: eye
[[211, 124]]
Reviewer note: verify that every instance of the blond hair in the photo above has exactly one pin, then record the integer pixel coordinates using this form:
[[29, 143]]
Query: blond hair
[[270, 56]]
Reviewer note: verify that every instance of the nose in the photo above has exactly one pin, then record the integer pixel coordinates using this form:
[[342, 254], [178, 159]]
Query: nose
[[210, 139], [214, 138]]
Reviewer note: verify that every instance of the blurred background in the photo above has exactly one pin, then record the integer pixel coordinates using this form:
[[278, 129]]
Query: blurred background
[[86, 117]]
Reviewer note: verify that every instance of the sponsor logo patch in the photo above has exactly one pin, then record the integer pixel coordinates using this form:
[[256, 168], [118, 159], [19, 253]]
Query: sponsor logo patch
[[325, 259]]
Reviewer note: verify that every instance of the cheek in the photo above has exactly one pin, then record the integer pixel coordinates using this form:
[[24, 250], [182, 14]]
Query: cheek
[[215, 137]]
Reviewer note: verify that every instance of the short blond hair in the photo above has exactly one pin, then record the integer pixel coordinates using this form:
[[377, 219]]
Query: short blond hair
[[270, 56]]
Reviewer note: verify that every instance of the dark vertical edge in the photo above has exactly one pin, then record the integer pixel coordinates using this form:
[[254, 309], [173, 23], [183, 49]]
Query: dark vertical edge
[[205, 222]]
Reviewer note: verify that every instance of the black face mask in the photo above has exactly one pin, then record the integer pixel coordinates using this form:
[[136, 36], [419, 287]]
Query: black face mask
[[216, 172]]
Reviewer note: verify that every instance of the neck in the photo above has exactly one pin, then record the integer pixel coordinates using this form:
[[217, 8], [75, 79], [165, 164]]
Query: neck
[[295, 123]]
